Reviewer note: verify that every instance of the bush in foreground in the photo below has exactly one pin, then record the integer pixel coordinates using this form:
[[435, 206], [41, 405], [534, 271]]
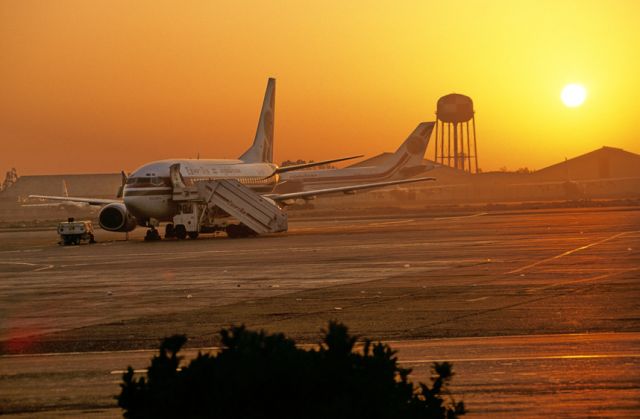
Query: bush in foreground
[[258, 375]]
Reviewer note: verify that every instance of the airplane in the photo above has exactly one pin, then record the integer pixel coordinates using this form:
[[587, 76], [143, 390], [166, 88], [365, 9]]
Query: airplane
[[407, 161], [147, 193]]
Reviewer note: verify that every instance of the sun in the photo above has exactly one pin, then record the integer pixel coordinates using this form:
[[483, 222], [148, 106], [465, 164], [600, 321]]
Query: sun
[[573, 95]]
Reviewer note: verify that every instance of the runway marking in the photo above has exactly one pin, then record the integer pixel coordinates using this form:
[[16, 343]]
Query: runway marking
[[565, 337], [391, 222], [476, 299], [461, 216], [520, 358], [126, 258], [42, 268], [595, 278], [139, 371], [345, 226], [525, 302], [19, 263], [403, 343], [569, 252], [22, 251]]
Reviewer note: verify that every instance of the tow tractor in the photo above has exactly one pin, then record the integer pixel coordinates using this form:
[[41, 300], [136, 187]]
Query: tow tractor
[[73, 232]]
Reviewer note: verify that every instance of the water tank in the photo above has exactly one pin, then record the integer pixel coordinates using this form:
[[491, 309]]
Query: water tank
[[455, 108]]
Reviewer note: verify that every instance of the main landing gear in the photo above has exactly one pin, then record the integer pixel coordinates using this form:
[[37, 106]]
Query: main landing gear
[[169, 231], [179, 232], [152, 235], [235, 231]]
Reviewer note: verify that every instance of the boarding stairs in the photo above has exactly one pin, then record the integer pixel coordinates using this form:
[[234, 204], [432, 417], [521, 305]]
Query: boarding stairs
[[259, 214]]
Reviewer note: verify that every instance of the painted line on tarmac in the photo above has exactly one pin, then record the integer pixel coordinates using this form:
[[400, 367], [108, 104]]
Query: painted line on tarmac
[[569, 252], [476, 299], [386, 223], [595, 278], [479, 214], [475, 359], [41, 268], [37, 249], [520, 358], [401, 344], [350, 226], [127, 258]]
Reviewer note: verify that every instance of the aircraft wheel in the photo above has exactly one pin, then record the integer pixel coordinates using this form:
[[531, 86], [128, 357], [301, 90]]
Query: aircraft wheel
[[152, 235], [233, 231], [169, 231], [181, 232], [246, 231], [193, 235]]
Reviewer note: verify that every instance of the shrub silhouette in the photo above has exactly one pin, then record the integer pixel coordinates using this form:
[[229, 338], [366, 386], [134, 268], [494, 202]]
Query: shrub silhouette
[[259, 375]]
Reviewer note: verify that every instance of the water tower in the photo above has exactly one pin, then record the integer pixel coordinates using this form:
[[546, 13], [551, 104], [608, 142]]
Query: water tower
[[454, 137]]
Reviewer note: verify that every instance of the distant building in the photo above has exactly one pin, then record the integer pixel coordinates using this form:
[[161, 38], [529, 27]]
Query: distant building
[[603, 163]]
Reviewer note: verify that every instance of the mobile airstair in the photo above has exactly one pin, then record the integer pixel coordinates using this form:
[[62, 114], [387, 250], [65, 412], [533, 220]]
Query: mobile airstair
[[261, 215], [208, 205]]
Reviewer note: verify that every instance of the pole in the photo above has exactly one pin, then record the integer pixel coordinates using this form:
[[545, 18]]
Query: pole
[[468, 147], [475, 142], [441, 142], [435, 156], [455, 146], [449, 144]]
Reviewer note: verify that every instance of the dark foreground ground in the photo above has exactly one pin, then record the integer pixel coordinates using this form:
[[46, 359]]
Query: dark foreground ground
[[538, 310]]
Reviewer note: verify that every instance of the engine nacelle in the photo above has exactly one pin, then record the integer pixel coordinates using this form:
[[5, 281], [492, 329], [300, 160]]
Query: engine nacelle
[[116, 217]]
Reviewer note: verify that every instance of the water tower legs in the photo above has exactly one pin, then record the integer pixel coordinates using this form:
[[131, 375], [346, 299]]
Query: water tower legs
[[455, 111]]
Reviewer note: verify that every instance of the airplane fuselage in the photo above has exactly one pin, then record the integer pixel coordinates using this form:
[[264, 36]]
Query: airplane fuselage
[[148, 191]]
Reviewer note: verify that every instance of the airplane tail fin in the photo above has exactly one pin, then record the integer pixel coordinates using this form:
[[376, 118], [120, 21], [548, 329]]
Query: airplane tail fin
[[262, 149], [411, 151]]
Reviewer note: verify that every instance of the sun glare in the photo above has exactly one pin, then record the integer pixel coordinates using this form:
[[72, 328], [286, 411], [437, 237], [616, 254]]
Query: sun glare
[[573, 95]]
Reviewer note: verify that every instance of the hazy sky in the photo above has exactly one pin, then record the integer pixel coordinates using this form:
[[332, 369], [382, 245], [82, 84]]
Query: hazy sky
[[99, 86]]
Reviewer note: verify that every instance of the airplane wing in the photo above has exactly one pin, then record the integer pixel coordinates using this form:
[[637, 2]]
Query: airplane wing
[[343, 189], [313, 164], [90, 201]]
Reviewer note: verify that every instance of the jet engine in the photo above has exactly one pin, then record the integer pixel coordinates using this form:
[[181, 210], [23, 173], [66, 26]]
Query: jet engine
[[116, 217]]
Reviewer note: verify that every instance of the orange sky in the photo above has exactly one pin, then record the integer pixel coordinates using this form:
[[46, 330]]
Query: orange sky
[[99, 86]]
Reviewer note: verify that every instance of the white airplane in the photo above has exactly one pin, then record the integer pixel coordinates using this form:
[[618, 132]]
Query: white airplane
[[407, 161], [147, 193]]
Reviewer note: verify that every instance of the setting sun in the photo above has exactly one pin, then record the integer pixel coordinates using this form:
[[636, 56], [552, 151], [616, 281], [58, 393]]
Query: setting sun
[[573, 95]]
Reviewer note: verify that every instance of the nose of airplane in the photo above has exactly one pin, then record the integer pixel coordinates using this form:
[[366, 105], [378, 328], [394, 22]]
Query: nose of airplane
[[128, 202]]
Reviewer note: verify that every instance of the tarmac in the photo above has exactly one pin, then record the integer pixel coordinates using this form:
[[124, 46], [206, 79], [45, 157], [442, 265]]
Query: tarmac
[[537, 309]]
